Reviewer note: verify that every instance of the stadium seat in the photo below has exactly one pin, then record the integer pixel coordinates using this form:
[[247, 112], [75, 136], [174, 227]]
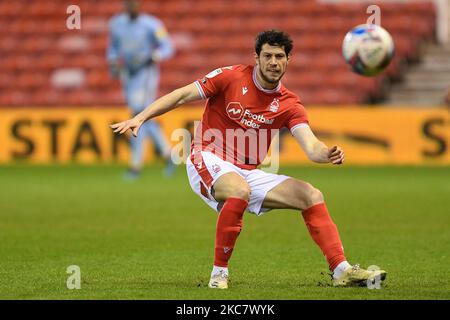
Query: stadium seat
[[208, 34]]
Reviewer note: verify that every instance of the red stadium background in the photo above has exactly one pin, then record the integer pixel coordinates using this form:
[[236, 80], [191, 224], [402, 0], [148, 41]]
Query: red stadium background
[[45, 66]]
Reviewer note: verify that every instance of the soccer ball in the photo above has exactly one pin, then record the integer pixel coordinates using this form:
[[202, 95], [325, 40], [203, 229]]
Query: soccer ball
[[368, 49]]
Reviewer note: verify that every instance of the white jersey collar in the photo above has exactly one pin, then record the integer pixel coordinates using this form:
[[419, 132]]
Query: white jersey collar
[[255, 81]]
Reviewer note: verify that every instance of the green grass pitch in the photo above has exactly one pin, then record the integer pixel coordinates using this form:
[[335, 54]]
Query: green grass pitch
[[153, 238]]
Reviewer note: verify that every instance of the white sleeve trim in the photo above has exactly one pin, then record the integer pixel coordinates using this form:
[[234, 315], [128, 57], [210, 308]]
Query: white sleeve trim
[[200, 89], [300, 125]]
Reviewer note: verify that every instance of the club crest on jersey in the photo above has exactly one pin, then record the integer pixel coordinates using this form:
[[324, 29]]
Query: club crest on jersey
[[216, 168], [274, 105]]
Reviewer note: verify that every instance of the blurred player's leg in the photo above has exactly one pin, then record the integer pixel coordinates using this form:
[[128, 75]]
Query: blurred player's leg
[[154, 131], [136, 98], [150, 81], [141, 90], [137, 154]]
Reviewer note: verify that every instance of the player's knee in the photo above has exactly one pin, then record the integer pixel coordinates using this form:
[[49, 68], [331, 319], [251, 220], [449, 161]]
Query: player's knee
[[241, 191], [314, 196]]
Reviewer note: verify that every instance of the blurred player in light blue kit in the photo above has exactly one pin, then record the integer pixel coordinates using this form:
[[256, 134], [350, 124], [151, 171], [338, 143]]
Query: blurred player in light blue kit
[[137, 43]]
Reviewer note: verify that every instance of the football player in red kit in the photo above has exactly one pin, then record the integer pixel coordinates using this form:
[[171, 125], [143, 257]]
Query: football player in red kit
[[249, 103]]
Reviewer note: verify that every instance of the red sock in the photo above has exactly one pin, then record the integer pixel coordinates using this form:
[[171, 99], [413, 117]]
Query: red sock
[[229, 225], [324, 232]]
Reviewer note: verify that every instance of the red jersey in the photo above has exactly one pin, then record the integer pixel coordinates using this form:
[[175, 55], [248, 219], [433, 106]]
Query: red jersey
[[241, 117]]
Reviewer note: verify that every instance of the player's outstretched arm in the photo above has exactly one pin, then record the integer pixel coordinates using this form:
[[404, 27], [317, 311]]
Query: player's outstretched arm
[[315, 149], [164, 104]]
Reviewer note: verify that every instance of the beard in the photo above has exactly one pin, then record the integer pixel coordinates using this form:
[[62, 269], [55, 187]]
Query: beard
[[270, 80]]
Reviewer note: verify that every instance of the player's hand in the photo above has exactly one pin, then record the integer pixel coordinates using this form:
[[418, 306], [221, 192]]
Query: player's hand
[[133, 124], [336, 155]]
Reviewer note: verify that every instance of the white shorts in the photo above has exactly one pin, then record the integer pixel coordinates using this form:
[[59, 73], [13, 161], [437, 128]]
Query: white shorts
[[203, 176]]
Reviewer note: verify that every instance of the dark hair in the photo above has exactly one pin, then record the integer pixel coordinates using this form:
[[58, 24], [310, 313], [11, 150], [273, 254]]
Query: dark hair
[[273, 38]]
